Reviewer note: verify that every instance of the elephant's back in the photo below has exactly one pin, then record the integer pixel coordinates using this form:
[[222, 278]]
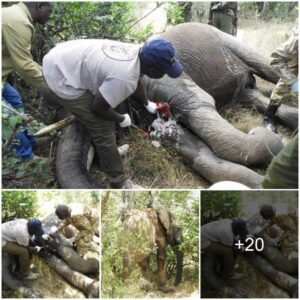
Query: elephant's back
[[206, 56], [139, 231]]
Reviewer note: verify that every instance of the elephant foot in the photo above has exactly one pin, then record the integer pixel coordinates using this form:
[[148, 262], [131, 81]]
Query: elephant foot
[[165, 289], [145, 285]]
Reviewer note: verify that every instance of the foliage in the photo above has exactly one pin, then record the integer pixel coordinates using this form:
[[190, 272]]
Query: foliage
[[35, 173], [185, 205], [217, 205], [175, 13], [18, 204], [93, 20], [281, 11]]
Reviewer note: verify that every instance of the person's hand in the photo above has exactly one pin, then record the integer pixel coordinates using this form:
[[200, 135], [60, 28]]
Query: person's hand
[[46, 237], [126, 122], [151, 107], [53, 229], [35, 249]]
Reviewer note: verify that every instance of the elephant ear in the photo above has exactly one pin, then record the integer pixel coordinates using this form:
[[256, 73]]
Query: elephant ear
[[165, 218]]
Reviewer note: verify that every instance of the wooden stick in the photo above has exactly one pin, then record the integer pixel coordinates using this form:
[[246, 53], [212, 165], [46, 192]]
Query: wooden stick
[[27, 119], [56, 126]]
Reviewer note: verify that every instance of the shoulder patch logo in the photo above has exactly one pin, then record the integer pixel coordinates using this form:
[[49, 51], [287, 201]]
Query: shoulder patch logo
[[119, 51]]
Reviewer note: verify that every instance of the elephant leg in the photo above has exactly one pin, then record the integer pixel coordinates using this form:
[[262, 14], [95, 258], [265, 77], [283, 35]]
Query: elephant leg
[[145, 268], [286, 115], [161, 266], [127, 267]]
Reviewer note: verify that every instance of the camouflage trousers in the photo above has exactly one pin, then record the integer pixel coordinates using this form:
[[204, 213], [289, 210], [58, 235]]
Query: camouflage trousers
[[86, 243], [284, 85], [222, 21], [281, 90]]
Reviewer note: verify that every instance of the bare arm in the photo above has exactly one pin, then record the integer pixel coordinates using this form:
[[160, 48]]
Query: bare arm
[[104, 111], [139, 94]]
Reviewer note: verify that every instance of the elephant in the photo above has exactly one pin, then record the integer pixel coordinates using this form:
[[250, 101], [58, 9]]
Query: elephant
[[13, 283], [60, 256], [146, 230], [218, 70], [279, 269]]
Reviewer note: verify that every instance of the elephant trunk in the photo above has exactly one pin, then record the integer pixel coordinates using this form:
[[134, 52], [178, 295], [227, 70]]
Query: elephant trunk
[[179, 264]]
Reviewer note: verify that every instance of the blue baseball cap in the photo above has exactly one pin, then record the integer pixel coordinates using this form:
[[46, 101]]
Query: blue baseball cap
[[160, 53], [239, 227], [35, 225]]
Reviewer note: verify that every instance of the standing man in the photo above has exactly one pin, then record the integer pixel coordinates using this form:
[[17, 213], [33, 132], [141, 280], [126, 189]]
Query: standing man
[[90, 78], [285, 61], [84, 220], [223, 15], [17, 35], [16, 235]]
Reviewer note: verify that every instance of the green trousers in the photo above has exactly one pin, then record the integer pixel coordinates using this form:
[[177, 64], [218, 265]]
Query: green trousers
[[22, 254], [102, 133], [283, 170], [222, 21]]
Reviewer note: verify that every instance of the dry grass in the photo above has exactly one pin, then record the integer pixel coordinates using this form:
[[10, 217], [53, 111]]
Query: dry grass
[[51, 284], [158, 167]]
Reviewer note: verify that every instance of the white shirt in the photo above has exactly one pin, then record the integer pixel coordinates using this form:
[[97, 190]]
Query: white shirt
[[15, 231], [72, 68], [218, 231]]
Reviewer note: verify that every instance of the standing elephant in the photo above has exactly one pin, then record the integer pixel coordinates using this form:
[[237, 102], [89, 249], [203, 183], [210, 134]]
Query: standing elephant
[[218, 70], [145, 230]]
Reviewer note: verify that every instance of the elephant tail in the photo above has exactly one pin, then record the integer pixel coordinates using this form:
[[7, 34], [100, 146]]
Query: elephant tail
[[257, 63]]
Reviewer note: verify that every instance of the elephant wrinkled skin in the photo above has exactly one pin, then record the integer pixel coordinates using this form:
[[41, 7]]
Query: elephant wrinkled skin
[[146, 230], [218, 70]]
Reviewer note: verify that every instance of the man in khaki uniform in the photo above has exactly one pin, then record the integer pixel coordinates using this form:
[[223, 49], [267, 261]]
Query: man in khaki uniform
[[288, 239], [285, 61], [282, 173], [223, 15], [84, 220], [17, 35]]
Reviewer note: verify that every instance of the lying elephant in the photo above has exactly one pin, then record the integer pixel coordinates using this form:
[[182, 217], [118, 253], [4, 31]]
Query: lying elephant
[[218, 69], [146, 230], [13, 283]]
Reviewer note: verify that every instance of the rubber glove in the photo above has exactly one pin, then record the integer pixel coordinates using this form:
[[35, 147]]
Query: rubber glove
[[126, 122], [151, 107], [46, 237]]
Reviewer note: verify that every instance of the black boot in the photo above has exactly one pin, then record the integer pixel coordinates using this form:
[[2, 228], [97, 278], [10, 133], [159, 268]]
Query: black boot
[[269, 117]]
